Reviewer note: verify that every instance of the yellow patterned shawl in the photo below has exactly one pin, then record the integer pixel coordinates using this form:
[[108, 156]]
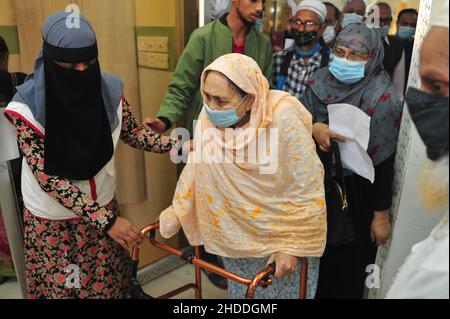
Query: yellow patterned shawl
[[233, 209]]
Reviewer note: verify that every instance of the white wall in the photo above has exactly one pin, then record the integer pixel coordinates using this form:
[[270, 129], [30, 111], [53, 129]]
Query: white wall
[[412, 223]]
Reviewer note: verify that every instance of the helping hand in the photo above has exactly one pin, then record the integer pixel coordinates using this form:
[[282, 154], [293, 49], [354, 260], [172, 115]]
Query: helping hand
[[124, 233], [155, 124]]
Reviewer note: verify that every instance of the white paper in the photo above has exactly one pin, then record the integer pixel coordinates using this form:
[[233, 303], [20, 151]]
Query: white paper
[[8, 141], [353, 124]]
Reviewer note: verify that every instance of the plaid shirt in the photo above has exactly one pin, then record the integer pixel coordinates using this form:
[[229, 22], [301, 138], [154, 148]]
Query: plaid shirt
[[299, 72]]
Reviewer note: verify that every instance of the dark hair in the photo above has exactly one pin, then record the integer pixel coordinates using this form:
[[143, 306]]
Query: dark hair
[[384, 4], [337, 12], [407, 11], [3, 47]]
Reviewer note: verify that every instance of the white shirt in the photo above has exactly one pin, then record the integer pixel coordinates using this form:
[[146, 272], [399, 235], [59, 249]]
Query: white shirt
[[425, 272], [399, 76]]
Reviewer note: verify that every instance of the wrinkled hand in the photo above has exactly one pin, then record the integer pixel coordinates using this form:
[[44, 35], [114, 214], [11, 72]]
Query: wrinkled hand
[[124, 233], [380, 231], [323, 135], [285, 264], [155, 124]]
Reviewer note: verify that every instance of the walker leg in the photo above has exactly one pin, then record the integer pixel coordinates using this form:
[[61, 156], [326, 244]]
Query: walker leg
[[304, 278], [198, 276]]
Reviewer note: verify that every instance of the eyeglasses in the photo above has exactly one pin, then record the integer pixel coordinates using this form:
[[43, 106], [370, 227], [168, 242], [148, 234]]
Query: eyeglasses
[[350, 56], [308, 25]]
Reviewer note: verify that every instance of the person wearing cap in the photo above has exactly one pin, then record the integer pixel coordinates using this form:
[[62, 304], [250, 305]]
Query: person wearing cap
[[425, 274], [69, 117], [294, 66]]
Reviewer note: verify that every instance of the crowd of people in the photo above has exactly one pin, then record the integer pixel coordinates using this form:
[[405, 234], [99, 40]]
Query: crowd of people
[[229, 79]]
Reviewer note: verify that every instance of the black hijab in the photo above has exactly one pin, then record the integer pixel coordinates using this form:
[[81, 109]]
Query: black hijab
[[79, 109]]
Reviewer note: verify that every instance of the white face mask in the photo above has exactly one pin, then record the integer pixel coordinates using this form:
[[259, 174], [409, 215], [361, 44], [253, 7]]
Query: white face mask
[[350, 18], [329, 34]]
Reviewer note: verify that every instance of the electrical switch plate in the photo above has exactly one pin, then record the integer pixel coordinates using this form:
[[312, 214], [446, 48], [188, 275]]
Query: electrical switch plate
[[142, 43], [154, 60], [142, 58], [159, 44], [153, 44]]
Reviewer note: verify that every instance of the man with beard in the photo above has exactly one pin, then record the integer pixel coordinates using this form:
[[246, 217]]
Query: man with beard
[[234, 32], [294, 66], [425, 273]]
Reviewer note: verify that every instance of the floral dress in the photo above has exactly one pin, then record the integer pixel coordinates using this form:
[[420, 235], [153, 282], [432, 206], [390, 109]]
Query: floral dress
[[76, 258]]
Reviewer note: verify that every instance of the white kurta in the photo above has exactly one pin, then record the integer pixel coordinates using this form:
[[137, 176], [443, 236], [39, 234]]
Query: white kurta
[[425, 272]]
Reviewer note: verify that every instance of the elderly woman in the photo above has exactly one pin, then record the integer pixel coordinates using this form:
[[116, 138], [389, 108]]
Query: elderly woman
[[356, 76], [247, 210], [69, 118]]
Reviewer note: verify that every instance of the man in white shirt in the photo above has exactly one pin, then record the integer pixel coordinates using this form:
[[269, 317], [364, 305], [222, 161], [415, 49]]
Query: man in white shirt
[[425, 273]]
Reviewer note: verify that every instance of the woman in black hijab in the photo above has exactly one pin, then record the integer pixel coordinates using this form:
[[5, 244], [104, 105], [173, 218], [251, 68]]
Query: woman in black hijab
[[69, 117]]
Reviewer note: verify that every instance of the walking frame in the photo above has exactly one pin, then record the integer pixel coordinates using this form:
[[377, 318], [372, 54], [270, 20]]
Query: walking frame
[[263, 278]]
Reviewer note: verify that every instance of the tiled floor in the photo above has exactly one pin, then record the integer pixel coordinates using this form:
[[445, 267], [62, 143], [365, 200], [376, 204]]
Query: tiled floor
[[180, 277], [158, 287], [10, 290]]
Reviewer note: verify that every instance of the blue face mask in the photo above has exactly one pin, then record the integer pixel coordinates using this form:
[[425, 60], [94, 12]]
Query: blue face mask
[[406, 33], [348, 72], [385, 31], [350, 18], [223, 118]]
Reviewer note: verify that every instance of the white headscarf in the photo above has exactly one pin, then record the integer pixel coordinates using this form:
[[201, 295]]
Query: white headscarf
[[219, 8], [293, 6]]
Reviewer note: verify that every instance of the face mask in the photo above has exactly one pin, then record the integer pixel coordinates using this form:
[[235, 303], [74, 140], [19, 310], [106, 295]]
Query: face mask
[[223, 118], [259, 25], [350, 18], [310, 53], [384, 31], [348, 72], [329, 34], [406, 33], [430, 115], [304, 37]]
